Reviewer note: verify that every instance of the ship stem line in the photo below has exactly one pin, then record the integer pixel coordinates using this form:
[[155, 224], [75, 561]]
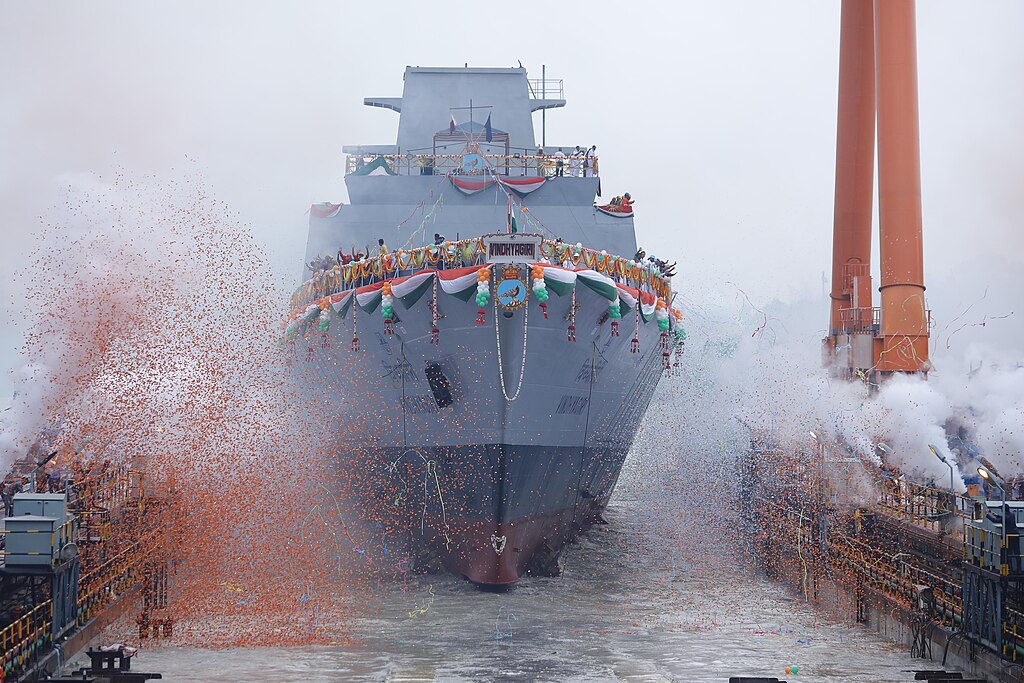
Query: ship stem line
[[586, 428]]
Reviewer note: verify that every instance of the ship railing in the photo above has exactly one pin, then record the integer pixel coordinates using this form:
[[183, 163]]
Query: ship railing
[[25, 636], [897, 576], [471, 252], [546, 88], [926, 506], [513, 164], [114, 577]]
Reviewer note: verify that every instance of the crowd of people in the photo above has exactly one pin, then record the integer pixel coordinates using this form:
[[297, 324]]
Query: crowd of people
[[664, 267]]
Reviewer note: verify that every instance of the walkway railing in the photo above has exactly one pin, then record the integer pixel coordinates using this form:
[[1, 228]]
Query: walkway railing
[[513, 164], [24, 637], [867, 319], [925, 506], [471, 252]]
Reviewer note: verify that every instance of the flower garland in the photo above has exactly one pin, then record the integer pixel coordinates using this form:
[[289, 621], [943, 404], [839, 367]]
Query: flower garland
[[634, 344], [355, 337], [661, 314], [501, 367], [540, 288], [483, 293], [572, 317], [435, 332]]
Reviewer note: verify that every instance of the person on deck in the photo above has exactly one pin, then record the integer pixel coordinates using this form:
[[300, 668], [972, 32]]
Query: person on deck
[[559, 163], [383, 247], [575, 162], [590, 161], [639, 256], [438, 239], [627, 201]]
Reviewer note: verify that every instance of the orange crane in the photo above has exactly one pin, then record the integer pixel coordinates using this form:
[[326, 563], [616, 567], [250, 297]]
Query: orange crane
[[877, 91]]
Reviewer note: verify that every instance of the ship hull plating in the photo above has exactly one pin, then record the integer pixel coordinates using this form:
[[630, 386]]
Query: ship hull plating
[[498, 457]]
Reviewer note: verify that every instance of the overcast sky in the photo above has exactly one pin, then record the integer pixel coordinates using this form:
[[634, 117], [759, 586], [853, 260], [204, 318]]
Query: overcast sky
[[719, 117]]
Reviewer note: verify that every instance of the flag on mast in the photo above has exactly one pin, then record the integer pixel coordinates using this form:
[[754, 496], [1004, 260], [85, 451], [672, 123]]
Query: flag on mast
[[511, 217], [451, 126], [488, 133]]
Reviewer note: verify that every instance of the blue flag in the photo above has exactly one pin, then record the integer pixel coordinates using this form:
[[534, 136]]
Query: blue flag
[[487, 129]]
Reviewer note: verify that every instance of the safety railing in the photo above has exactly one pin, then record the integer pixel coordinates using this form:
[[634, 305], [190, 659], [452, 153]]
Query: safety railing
[[925, 506], [21, 639], [101, 585], [468, 164], [470, 252], [892, 575], [546, 88], [859, 320]]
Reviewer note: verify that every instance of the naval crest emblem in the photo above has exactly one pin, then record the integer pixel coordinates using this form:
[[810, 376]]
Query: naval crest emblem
[[512, 291]]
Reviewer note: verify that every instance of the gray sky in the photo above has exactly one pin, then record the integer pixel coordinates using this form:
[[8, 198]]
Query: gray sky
[[719, 117]]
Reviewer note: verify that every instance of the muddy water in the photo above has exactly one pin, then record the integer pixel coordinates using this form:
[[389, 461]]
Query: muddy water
[[656, 595]]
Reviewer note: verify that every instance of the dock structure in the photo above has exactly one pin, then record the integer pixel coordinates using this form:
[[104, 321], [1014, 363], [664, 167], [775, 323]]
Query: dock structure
[[71, 551], [939, 571]]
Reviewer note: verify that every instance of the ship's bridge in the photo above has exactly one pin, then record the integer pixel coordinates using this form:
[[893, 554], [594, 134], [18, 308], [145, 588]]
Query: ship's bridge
[[466, 162], [470, 121]]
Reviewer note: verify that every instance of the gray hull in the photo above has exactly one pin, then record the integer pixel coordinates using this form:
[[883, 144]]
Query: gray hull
[[506, 480]]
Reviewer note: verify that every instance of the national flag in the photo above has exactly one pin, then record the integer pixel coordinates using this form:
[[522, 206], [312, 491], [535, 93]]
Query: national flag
[[488, 133], [602, 284], [459, 282], [409, 289], [559, 280], [341, 303], [451, 126], [368, 297]]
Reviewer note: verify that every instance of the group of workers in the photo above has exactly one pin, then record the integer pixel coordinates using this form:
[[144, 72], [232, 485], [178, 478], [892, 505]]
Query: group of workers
[[580, 161], [664, 267]]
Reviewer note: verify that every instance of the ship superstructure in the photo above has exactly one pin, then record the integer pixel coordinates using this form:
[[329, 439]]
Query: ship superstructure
[[498, 354]]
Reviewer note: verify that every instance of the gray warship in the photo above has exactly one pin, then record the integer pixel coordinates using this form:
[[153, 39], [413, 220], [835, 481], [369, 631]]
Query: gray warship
[[492, 362]]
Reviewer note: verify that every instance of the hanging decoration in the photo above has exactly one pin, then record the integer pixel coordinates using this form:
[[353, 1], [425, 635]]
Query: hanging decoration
[[540, 289], [615, 313], [661, 313], [519, 185], [680, 335], [435, 332], [501, 365], [365, 270], [634, 344], [324, 319], [460, 282], [557, 279], [572, 317], [483, 293], [387, 308], [355, 336]]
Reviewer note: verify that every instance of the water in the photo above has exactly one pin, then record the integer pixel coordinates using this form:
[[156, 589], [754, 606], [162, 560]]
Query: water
[[649, 597]]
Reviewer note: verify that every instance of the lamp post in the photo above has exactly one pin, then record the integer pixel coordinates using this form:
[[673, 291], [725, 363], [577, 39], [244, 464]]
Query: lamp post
[[944, 462], [989, 475]]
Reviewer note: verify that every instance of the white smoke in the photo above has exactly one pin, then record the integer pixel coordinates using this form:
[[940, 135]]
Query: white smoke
[[761, 368]]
